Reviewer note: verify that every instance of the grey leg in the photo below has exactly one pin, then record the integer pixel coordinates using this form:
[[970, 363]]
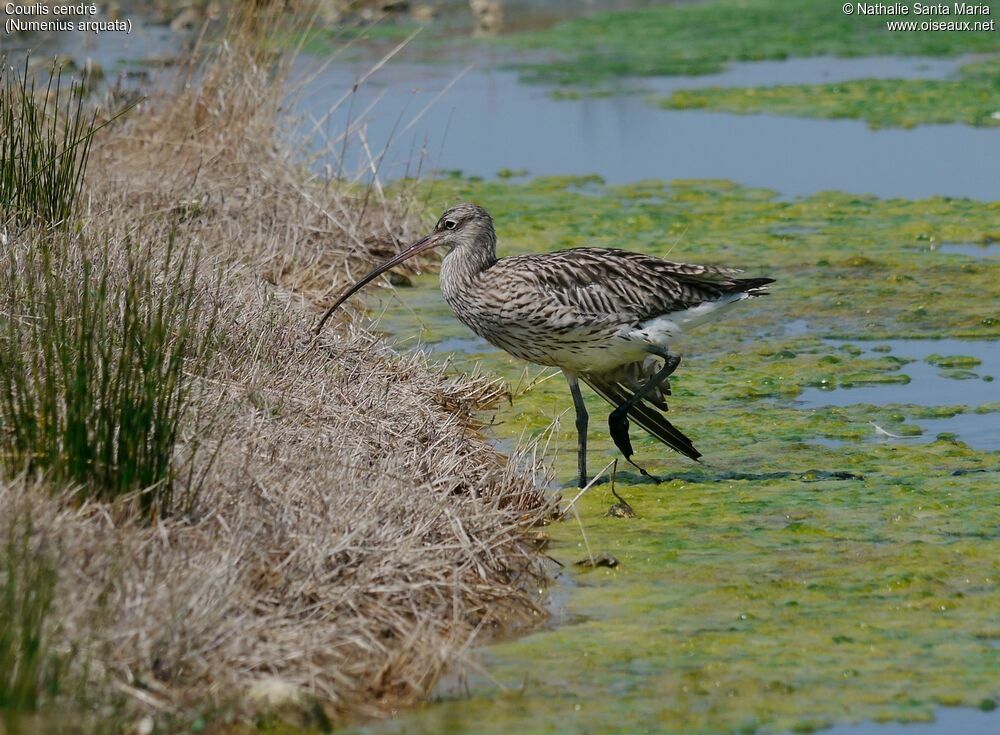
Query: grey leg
[[581, 425]]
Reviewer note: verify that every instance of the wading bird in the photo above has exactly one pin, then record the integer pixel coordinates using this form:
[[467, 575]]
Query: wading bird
[[606, 317]]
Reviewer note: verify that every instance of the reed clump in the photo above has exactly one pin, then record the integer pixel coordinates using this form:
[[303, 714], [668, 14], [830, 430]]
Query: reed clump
[[96, 355], [45, 139]]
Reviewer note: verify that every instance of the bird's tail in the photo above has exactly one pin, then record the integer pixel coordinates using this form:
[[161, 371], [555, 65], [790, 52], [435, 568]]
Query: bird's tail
[[645, 415]]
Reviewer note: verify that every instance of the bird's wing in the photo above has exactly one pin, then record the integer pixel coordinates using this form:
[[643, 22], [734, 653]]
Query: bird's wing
[[608, 283]]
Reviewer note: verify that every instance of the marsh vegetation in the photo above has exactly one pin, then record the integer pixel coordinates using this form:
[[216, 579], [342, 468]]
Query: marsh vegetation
[[334, 524]]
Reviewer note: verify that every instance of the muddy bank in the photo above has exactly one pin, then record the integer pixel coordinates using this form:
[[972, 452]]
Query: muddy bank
[[352, 532]]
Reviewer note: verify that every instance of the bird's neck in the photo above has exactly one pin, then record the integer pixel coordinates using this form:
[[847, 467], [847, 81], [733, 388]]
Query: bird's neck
[[462, 266]]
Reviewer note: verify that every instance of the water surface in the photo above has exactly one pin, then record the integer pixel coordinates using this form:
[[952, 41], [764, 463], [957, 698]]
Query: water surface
[[454, 109], [929, 385], [482, 121], [956, 721], [974, 250]]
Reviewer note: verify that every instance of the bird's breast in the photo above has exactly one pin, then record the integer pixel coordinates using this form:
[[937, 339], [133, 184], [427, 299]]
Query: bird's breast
[[533, 331]]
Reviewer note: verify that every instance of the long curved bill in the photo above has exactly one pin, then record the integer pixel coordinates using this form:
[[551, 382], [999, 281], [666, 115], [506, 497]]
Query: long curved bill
[[416, 248]]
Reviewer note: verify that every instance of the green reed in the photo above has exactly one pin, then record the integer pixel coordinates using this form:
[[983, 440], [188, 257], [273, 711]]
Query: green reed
[[100, 349], [29, 669], [45, 139]]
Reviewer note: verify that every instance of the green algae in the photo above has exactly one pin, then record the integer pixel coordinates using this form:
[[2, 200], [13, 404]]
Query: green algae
[[747, 605], [953, 361], [960, 374], [701, 38], [779, 584], [972, 98]]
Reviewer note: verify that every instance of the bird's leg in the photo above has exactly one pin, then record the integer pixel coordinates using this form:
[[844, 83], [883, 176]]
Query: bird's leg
[[581, 425], [618, 420], [621, 509]]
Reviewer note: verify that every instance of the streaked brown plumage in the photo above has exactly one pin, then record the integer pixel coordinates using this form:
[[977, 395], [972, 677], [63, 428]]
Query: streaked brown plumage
[[604, 316]]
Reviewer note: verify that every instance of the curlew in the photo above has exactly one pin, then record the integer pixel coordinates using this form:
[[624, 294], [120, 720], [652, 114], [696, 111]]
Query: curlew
[[603, 316]]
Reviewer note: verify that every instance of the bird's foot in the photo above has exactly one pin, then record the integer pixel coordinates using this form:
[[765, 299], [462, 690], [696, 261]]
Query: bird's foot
[[621, 509], [618, 426]]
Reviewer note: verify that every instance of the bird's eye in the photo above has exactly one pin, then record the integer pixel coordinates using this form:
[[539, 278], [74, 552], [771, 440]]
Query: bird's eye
[[450, 224]]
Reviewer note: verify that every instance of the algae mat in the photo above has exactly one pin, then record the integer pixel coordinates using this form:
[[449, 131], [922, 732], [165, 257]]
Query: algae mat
[[780, 584], [972, 98], [700, 38]]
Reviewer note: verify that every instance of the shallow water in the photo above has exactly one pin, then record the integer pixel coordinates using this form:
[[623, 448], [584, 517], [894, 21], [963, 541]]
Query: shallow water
[[777, 584], [977, 430], [946, 722], [929, 385], [990, 251], [486, 121], [814, 70], [459, 112]]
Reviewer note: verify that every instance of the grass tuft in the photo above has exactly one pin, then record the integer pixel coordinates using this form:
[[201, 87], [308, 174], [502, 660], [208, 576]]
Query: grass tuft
[[29, 669], [99, 345], [45, 139]]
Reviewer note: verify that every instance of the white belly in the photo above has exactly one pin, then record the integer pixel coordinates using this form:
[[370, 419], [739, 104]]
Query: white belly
[[584, 346], [597, 358], [664, 330]]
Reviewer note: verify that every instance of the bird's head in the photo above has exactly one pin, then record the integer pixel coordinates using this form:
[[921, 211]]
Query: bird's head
[[465, 225]]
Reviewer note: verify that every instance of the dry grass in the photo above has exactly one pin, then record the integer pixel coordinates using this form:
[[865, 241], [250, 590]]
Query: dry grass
[[352, 536], [354, 533], [216, 156]]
